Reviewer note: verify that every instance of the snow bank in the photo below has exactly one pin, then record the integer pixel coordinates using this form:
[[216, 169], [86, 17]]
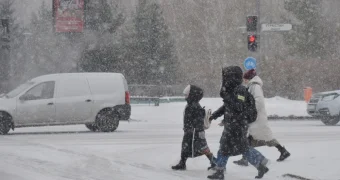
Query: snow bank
[[173, 112], [275, 106], [285, 107]]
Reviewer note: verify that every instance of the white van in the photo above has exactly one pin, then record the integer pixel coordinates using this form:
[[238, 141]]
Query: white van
[[98, 100]]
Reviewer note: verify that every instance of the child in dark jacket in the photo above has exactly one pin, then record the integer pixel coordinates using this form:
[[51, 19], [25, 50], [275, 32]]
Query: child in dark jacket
[[194, 143]]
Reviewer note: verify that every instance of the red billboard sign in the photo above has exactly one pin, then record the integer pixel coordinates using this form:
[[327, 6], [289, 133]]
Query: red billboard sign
[[69, 15]]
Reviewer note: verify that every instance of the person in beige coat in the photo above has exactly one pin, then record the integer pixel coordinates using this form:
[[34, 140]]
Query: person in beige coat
[[260, 133]]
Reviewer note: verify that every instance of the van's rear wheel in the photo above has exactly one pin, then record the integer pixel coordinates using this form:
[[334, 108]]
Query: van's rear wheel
[[92, 127], [5, 123], [330, 121], [107, 120]]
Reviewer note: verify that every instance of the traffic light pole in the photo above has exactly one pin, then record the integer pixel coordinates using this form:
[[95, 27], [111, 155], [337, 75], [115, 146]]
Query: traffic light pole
[[258, 9]]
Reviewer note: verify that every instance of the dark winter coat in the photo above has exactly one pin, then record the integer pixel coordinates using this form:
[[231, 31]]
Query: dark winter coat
[[234, 137], [194, 113], [194, 143]]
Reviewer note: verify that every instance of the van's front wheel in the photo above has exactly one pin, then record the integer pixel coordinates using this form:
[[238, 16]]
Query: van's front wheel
[[107, 120]]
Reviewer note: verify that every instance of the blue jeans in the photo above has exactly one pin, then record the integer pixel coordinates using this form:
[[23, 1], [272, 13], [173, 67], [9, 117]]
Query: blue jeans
[[252, 155]]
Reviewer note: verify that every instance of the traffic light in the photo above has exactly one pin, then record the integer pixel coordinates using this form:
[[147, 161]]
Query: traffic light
[[251, 23], [252, 42]]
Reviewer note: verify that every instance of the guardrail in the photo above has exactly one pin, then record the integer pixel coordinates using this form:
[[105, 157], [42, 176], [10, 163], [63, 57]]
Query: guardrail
[[155, 100], [172, 99], [145, 100]]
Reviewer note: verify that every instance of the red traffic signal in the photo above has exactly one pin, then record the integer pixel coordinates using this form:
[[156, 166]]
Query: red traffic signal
[[252, 43], [252, 38]]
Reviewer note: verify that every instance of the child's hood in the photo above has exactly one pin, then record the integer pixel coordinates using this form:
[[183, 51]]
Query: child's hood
[[195, 94]]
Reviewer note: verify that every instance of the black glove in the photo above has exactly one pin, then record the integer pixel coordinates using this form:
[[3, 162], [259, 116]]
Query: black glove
[[250, 139]]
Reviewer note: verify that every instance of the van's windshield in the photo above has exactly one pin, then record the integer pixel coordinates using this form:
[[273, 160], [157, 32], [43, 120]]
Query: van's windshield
[[19, 89]]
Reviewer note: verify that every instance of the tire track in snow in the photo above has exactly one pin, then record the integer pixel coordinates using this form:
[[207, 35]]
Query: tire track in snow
[[86, 166], [81, 169]]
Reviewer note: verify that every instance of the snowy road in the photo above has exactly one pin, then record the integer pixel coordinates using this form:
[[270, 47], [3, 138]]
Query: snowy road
[[145, 149]]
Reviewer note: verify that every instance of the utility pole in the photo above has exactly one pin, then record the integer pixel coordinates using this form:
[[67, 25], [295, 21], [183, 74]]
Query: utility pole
[[4, 54]]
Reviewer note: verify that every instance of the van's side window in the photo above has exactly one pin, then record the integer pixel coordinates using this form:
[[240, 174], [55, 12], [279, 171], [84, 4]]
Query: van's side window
[[41, 91]]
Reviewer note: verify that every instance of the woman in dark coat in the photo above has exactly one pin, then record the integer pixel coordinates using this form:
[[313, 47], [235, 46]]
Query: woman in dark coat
[[236, 113], [194, 143]]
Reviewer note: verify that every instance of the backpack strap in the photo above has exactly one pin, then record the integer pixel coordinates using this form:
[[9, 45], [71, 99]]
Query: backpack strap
[[251, 108]]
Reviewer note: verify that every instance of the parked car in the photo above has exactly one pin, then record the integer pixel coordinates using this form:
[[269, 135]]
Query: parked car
[[326, 106], [98, 100]]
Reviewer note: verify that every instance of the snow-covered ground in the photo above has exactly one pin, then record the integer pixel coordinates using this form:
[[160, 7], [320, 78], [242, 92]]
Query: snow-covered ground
[[146, 147]]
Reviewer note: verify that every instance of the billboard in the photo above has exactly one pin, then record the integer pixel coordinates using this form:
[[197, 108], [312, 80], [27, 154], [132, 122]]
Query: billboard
[[68, 15]]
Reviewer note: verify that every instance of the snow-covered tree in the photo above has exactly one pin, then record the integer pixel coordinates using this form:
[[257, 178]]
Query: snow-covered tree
[[307, 37], [49, 51], [102, 52], [7, 11], [42, 51], [155, 51]]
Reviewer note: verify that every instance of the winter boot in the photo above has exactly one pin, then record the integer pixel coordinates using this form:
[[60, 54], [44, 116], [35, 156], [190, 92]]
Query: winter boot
[[284, 154], [262, 169], [180, 166], [212, 163], [217, 175], [242, 162]]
